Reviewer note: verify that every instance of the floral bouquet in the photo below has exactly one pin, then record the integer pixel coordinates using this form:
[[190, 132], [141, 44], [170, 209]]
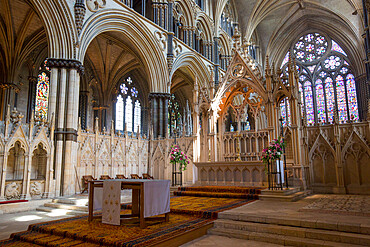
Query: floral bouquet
[[274, 151], [178, 156]]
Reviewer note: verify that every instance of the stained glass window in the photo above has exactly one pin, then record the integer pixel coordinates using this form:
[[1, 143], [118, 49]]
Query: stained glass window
[[327, 86], [128, 107], [119, 113], [137, 115], [285, 111], [330, 99], [310, 47], [286, 59], [309, 103], [352, 97], [128, 113], [302, 99], [341, 99], [42, 96], [332, 63], [337, 48], [320, 102]]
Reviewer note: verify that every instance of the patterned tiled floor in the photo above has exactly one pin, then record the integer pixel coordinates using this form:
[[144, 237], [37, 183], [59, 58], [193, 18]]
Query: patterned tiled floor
[[340, 204]]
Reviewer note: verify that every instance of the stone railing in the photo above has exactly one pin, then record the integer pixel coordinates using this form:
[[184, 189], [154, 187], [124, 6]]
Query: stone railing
[[245, 146], [245, 173]]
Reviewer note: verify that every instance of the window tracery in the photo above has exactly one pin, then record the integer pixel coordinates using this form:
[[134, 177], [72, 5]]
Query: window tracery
[[128, 107], [326, 83]]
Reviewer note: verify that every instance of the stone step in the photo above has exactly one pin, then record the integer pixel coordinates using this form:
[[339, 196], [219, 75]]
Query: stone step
[[276, 239], [297, 222], [300, 232], [281, 197], [60, 211], [67, 206], [79, 202], [280, 192]]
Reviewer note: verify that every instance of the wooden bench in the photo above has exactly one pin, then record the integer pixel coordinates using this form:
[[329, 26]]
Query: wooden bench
[[147, 176], [105, 177], [120, 176], [135, 176], [85, 182]]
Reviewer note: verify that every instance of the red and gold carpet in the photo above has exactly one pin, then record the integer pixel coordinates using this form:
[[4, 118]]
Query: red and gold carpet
[[220, 192], [187, 214]]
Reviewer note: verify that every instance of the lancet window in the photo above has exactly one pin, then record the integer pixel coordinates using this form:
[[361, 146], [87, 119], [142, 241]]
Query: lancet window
[[227, 18], [285, 111], [128, 107], [326, 83], [42, 92]]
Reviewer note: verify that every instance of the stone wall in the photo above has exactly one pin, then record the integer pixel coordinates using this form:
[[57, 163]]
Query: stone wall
[[337, 158], [110, 154]]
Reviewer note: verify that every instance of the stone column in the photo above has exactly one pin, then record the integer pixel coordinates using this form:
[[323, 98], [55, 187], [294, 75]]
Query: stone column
[[170, 35], [83, 103], [31, 97], [64, 93], [54, 77], [363, 96], [59, 126], [196, 131], [7, 95], [216, 60], [160, 117], [27, 177], [3, 175], [159, 113], [143, 6], [71, 145], [155, 12], [48, 176]]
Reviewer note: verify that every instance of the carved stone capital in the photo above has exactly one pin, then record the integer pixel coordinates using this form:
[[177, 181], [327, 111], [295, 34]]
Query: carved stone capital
[[66, 64], [159, 95]]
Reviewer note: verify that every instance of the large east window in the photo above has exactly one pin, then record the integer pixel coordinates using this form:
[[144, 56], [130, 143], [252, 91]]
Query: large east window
[[128, 107], [326, 83]]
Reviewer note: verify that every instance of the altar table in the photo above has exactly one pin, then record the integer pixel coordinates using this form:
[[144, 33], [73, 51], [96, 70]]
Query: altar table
[[149, 198]]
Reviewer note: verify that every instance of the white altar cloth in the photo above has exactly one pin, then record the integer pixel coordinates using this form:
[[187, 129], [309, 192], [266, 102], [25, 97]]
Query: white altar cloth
[[156, 197]]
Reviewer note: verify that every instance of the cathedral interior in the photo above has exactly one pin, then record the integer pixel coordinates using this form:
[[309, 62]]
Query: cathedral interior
[[107, 87]]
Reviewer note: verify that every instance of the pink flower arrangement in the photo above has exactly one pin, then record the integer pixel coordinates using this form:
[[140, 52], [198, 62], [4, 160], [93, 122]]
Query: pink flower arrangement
[[274, 151], [178, 156]]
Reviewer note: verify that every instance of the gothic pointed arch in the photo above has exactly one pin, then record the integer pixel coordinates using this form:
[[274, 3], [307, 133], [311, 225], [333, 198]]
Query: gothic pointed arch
[[137, 35], [61, 29], [195, 65], [321, 140], [242, 71]]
